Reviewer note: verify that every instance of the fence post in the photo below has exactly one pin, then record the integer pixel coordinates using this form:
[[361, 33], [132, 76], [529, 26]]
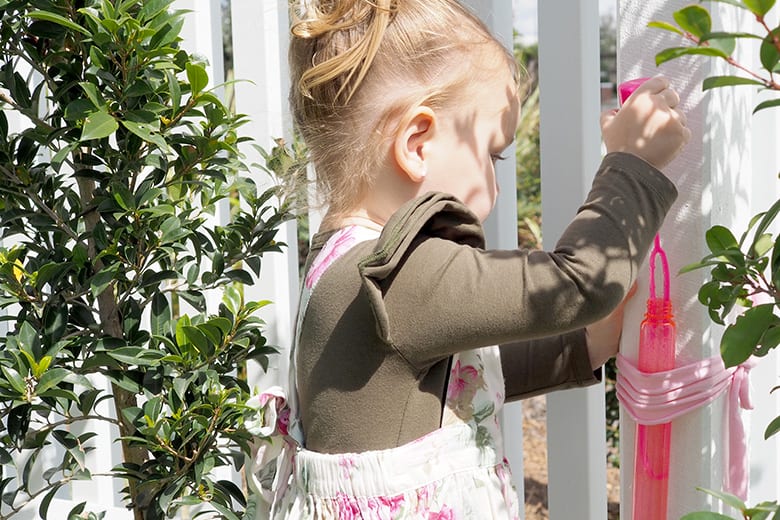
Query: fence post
[[719, 181], [570, 153], [765, 462], [501, 226], [260, 40]]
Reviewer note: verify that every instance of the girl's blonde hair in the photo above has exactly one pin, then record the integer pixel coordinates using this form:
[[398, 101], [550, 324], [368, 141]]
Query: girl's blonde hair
[[358, 65]]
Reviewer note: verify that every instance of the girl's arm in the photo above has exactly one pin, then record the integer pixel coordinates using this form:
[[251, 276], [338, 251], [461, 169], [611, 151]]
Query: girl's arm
[[559, 362], [434, 291], [543, 365]]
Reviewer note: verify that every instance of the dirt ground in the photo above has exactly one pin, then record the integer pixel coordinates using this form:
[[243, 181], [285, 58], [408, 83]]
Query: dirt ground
[[535, 465]]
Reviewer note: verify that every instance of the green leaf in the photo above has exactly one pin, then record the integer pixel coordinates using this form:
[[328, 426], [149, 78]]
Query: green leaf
[[5, 457], [162, 209], [50, 379], [62, 154], [144, 196], [199, 340], [759, 7], [677, 52], [174, 89], [720, 239], [770, 55], [762, 245], [241, 276], [172, 231], [767, 104], [772, 428], [726, 498], [79, 109], [197, 77], [742, 337], [152, 8], [694, 19], [762, 511], [665, 26], [147, 132], [123, 196], [98, 125], [767, 218], [96, 56], [91, 90], [161, 315], [180, 386], [169, 493], [137, 356], [233, 490], [223, 324], [735, 3], [232, 299], [14, 379], [75, 513], [718, 35], [87, 400], [705, 515], [226, 513], [181, 337], [770, 339], [58, 19], [27, 337], [727, 81], [18, 424], [726, 44], [103, 279], [42, 366], [152, 278], [697, 265]]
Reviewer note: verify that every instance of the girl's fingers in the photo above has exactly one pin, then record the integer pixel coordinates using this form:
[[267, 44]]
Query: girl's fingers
[[680, 116], [654, 85], [671, 97]]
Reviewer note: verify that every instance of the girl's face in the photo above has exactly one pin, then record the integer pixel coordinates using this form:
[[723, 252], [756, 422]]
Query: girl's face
[[470, 139]]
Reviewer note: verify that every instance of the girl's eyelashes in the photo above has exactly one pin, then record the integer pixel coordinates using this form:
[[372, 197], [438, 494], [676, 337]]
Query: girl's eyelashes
[[495, 157]]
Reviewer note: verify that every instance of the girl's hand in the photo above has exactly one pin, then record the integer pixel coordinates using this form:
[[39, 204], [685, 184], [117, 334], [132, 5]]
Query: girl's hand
[[648, 125], [603, 336]]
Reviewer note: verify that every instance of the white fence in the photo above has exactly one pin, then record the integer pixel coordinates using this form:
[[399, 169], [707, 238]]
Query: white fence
[[570, 104]]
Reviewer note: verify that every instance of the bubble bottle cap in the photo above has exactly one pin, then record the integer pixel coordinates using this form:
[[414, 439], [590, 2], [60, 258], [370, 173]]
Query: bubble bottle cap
[[627, 88]]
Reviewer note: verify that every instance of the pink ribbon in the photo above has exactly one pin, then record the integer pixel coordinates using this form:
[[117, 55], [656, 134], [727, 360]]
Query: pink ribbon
[[660, 397]]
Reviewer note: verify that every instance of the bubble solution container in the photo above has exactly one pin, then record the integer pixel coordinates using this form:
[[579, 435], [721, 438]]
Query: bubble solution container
[[653, 442], [656, 354]]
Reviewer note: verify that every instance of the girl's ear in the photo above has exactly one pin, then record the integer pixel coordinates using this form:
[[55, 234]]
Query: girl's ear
[[412, 140]]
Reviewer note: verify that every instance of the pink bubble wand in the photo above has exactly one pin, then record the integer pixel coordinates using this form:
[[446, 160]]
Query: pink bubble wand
[[657, 335]]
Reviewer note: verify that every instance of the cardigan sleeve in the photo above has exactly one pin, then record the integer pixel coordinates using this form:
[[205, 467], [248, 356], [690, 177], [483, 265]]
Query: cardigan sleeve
[[542, 365], [434, 290]]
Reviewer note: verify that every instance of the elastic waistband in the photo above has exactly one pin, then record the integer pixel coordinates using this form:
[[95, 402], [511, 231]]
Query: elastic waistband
[[394, 471]]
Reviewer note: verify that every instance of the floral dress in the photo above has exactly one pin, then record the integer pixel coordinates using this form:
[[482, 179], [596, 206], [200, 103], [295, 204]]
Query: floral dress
[[455, 472]]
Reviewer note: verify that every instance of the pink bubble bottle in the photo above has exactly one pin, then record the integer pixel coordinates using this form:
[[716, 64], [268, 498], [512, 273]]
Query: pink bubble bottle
[[656, 354], [653, 442]]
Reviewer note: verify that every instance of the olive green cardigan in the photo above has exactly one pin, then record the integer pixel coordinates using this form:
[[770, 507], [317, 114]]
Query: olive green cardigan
[[385, 318]]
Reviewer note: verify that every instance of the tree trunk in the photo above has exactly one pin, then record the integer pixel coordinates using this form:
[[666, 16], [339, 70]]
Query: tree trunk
[[112, 326]]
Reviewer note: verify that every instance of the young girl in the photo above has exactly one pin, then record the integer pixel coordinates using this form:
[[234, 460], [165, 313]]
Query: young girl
[[405, 106]]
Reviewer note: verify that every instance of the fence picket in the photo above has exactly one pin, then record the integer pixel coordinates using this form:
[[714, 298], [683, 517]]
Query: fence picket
[[570, 104]]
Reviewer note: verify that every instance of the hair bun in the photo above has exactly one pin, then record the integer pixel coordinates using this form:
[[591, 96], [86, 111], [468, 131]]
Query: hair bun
[[345, 37], [315, 18]]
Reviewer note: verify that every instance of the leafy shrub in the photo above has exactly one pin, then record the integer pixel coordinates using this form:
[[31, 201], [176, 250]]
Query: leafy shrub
[[109, 195]]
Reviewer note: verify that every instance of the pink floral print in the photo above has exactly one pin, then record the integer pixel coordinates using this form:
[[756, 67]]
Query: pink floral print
[[271, 414], [465, 381], [446, 513], [341, 242], [371, 508], [347, 463]]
